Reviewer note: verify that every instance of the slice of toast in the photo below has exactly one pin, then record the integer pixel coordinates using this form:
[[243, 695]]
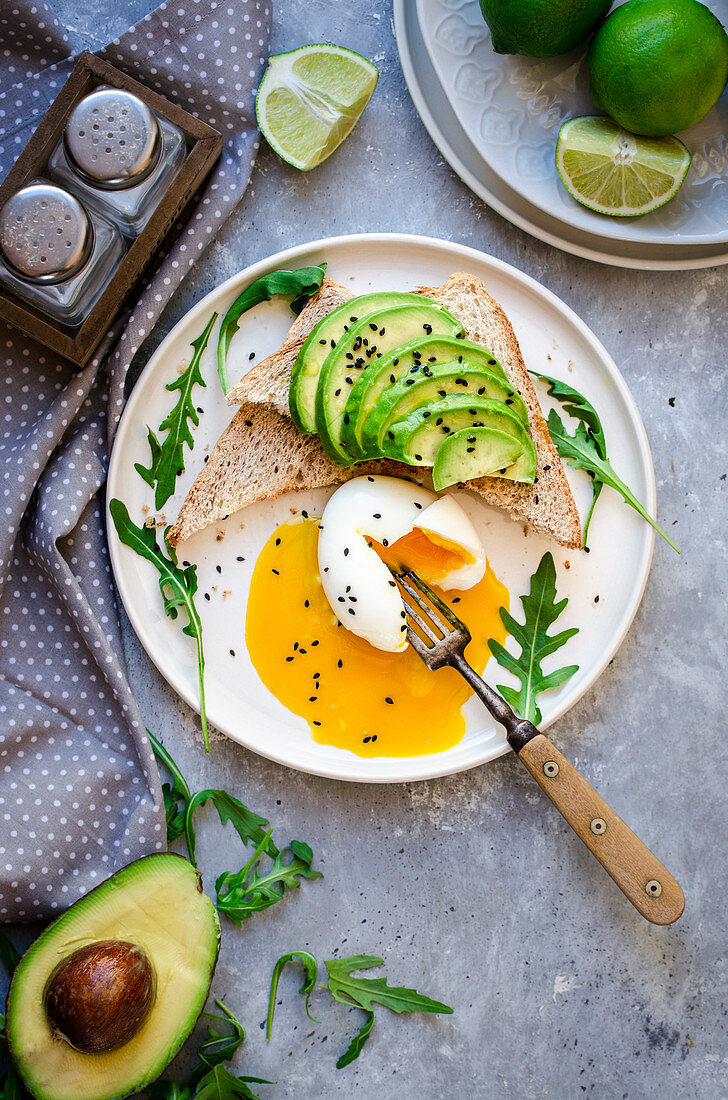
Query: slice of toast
[[261, 454]]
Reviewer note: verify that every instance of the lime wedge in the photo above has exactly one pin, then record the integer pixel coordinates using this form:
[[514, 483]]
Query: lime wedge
[[615, 172], [310, 99]]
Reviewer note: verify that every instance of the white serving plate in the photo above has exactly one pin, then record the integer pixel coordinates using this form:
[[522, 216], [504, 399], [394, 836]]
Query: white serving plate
[[556, 222], [553, 339]]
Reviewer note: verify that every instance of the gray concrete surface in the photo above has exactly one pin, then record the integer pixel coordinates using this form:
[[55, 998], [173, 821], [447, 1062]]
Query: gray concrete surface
[[471, 887]]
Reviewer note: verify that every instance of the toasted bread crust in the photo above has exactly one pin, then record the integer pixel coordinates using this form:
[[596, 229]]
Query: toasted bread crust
[[261, 455]]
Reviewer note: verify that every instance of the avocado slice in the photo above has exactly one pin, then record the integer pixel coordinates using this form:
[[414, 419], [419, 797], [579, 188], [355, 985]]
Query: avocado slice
[[323, 337], [154, 909], [473, 452], [426, 384], [415, 438], [362, 344], [386, 371]]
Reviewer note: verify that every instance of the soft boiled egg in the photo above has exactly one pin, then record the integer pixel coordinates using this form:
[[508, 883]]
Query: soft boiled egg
[[372, 523], [353, 694]]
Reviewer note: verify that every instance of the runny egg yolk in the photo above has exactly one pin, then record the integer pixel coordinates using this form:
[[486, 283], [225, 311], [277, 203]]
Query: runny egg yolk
[[354, 696], [428, 554]]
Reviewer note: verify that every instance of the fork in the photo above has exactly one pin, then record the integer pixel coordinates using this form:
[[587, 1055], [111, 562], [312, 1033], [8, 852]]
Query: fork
[[440, 639]]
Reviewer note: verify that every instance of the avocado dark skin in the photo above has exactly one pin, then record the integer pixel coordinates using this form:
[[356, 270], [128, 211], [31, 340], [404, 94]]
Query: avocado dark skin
[[99, 996]]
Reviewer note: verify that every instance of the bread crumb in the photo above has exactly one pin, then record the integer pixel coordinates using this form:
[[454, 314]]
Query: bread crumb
[[567, 564], [145, 508], [220, 535], [571, 366], [242, 526], [183, 366], [226, 593], [525, 530], [149, 522]]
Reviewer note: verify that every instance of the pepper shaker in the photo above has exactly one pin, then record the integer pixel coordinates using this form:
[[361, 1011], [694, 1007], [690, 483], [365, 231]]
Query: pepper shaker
[[54, 254], [118, 156]]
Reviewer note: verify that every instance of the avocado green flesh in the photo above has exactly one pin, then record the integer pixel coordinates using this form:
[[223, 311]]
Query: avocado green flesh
[[363, 343], [317, 345], [430, 384], [472, 453], [156, 903], [415, 439], [375, 381]]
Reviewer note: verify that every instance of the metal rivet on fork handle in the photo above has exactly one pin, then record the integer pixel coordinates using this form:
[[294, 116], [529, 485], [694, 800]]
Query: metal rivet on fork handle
[[598, 826], [653, 888], [550, 769]]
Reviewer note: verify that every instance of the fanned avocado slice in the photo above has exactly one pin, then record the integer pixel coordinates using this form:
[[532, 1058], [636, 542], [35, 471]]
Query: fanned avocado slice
[[385, 372], [425, 384], [323, 337], [416, 438], [152, 912], [471, 453], [362, 344]]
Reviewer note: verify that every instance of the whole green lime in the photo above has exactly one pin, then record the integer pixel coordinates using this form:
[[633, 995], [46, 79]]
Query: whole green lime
[[541, 28], [658, 66]]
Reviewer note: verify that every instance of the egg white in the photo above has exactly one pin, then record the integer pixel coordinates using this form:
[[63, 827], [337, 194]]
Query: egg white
[[356, 582]]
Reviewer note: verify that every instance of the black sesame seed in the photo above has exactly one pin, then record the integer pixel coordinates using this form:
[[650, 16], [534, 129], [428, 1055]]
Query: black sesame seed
[[276, 572], [384, 542], [315, 642], [409, 381], [353, 320], [392, 379], [316, 723], [333, 343], [596, 599], [365, 739], [340, 663], [395, 362], [240, 557], [346, 551], [372, 326], [481, 391], [353, 599], [312, 698], [357, 343], [304, 513], [438, 422], [374, 737], [391, 435], [289, 659], [546, 468], [278, 543], [471, 439], [342, 599], [536, 499], [491, 362], [295, 646], [428, 329], [419, 458], [251, 357], [302, 650], [426, 413], [326, 569], [392, 584], [470, 450], [306, 603], [249, 423], [446, 430], [417, 504], [377, 515], [207, 595], [509, 400], [317, 676], [382, 331], [352, 611], [456, 599], [346, 418], [322, 341], [200, 410], [369, 478], [441, 393], [388, 700], [337, 393], [348, 589], [460, 358], [232, 652], [186, 564], [350, 355]]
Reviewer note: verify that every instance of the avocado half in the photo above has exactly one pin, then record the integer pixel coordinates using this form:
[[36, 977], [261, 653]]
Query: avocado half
[[154, 907]]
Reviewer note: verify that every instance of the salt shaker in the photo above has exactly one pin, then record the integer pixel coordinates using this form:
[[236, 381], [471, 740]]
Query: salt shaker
[[54, 254], [118, 156]]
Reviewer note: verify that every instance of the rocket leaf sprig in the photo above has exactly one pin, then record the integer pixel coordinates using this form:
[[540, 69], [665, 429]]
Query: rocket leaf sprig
[[541, 609], [356, 992], [168, 456], [586, 450]]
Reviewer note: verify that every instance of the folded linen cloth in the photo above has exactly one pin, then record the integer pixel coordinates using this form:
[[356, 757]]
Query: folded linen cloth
[[79, 791]]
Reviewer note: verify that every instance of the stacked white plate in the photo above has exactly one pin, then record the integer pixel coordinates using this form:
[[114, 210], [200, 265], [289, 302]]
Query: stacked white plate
[[495, 118]]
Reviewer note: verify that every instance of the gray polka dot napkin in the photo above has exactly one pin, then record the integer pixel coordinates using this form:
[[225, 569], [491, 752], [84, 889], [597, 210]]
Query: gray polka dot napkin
[[79, 790]]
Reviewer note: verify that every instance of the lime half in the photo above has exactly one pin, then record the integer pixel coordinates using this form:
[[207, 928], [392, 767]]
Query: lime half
[[310, 99], [614, 172]]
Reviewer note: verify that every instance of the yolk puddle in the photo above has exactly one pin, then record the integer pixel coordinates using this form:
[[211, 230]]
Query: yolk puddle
[[353, 695]]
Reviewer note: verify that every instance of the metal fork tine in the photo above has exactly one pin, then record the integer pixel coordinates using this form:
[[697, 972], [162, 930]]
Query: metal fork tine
[[450, 615], [424, 605], [426, 630]]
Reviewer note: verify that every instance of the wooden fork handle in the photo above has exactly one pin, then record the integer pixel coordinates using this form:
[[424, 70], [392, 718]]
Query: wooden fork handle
[[637, 872]]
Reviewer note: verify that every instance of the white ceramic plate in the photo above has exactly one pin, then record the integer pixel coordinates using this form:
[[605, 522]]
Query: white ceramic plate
[[553, 339], [551, 225]]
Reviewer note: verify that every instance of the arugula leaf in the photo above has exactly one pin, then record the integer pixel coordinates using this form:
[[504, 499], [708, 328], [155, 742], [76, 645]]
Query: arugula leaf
[[356, 1045], [364, 993], [177, 585], [246, 892], [220, 1046], [580, 452], [302, 284], [587, 450], [247, 824], [220, 1084], [540, 611], [168, 457], [9, 954], [309, 982], [177, 795], [11, 1086]]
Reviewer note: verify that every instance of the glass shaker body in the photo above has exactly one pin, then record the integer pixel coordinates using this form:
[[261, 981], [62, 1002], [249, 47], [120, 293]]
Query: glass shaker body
[[118, 157], [54, 254]]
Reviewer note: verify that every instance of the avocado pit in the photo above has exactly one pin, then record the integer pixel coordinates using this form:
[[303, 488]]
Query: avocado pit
[[98, 997]]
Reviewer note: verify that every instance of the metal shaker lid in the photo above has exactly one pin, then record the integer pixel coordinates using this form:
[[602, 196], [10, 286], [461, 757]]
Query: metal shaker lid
[[112, 139], [46, 236]]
